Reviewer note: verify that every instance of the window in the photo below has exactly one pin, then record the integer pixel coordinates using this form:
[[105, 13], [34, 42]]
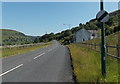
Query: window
[[83, 39], [93, 34]]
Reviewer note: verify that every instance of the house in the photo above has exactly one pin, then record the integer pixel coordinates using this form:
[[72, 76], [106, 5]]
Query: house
[[84, 35]]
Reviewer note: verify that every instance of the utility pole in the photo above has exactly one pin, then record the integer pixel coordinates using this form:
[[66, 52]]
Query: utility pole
[[45, 36], [68, 25], [103, 46]]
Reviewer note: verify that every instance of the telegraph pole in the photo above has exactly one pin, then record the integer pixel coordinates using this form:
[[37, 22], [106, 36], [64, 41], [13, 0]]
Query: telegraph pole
[[68, 25], [103, 46], [45, 36]]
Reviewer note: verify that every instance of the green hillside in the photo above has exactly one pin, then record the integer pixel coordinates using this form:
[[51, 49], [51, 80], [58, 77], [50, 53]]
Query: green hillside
[[111, 40], [12, 37], [66, 36]]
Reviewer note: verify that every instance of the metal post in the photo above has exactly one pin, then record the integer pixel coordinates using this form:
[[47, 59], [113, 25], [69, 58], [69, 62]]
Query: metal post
[[103, 47], [45, 36], [69, 26]]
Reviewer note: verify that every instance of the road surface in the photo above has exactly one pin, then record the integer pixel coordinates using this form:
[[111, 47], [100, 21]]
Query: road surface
[[49, 64]]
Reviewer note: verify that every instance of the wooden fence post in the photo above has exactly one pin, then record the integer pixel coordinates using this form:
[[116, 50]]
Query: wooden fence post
[[91, 46], [106, 47], [95, 46], [100, 47], [118, 51]]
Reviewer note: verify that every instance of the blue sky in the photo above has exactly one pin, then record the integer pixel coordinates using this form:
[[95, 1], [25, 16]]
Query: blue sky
[[36, 18]]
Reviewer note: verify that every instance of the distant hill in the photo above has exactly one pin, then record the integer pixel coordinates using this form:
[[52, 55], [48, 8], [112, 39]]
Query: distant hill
[[12, 37], [32, 37]]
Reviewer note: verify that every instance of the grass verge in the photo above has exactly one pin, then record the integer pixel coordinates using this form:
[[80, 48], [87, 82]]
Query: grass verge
[[6, 52], [87, 65]]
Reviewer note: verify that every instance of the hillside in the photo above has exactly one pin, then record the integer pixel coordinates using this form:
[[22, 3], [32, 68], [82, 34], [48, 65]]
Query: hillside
[[66, 36], [12, 37], [111, 40], [111, 26]]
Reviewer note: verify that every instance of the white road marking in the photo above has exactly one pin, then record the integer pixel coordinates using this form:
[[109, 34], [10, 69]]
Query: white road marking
[[11, 69], [50, 50], [38, 56]]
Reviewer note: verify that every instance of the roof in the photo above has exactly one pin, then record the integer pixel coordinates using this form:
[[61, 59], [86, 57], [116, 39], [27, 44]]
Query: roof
[[90, 31], [93, 31]]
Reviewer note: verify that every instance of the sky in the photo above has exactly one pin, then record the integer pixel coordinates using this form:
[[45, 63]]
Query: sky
[[38, 18], [58, 0]]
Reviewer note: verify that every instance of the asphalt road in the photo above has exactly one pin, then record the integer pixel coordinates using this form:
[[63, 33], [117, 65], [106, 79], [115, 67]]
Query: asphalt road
[[49, 64]]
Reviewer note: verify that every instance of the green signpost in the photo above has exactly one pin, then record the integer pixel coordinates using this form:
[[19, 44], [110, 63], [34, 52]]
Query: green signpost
[[103, 47], [103, 17]]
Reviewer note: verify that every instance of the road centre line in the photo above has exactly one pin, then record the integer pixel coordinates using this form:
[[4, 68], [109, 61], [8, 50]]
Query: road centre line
[[50, 50], [38, 56], [44, 53], [11, 69]]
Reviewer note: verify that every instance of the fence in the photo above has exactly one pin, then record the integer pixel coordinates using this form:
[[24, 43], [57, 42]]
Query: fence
[[19, 46], [113, 51]]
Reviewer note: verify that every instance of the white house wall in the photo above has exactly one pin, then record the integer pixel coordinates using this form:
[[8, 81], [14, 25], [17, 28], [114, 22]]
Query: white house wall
[[82, 35]]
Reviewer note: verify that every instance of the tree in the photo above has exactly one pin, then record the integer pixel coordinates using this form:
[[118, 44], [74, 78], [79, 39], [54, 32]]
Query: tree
[[36, 40]]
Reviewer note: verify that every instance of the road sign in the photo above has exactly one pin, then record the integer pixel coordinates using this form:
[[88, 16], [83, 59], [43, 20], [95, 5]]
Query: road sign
[[103, 16]]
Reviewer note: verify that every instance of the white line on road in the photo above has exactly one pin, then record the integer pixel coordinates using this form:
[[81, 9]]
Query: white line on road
[[38, 56], [50, 50], [11, 69]]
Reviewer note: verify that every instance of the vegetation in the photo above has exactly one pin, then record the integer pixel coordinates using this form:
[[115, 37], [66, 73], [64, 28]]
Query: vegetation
[[86, 62], [45, 38], [67, 36], [87, 65], [19, 50], [111, 40], [12, 37]]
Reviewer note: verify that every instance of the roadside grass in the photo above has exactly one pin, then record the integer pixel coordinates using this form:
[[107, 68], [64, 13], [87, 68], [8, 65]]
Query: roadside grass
[[87, 65], [6, 52]]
